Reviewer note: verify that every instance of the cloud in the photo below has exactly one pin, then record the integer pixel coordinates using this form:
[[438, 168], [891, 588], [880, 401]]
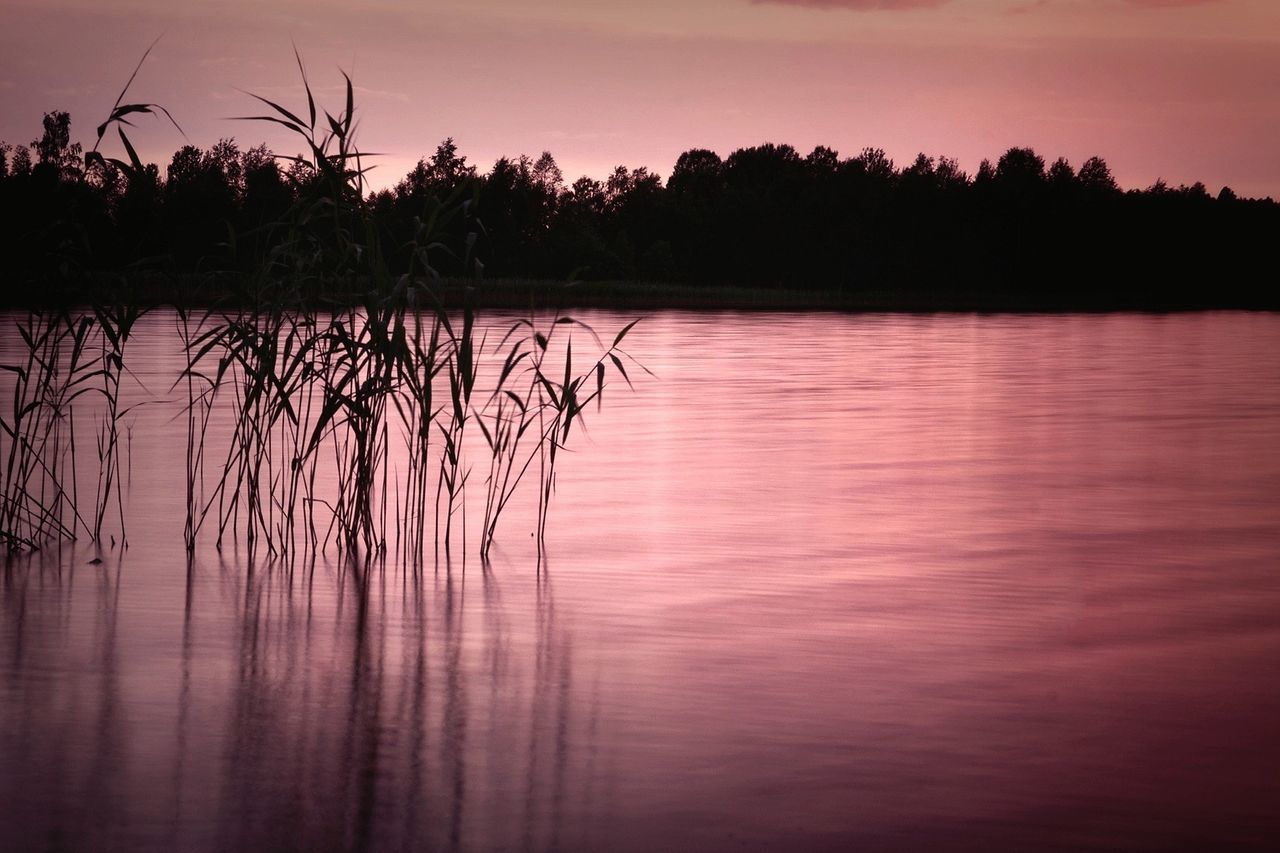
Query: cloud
[[586, 136], [861, 5], [904, 5], [70, 91], [1038, 5]]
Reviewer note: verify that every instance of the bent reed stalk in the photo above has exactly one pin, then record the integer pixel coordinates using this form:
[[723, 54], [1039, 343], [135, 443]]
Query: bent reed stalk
[[323, 363], [69, 359]]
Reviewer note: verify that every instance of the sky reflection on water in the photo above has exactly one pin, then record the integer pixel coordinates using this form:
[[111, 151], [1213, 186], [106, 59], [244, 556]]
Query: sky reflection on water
[[886, 582]]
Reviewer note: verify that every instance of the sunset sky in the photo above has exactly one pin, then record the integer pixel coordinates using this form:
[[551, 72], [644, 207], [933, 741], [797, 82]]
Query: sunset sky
[[1183, 90]]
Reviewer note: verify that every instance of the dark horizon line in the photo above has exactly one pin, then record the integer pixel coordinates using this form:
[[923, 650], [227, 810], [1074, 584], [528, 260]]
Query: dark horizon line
[[9, 156]]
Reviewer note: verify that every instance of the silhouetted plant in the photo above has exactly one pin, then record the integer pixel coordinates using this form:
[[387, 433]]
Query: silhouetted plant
[[311, 387], [67, 356]]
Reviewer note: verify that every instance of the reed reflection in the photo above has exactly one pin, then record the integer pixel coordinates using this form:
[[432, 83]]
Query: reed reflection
[[69, 774], [384, 714], [331, 707]]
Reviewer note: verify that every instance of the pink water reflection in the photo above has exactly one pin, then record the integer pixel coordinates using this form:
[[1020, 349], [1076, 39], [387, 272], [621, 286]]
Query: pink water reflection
[[826, 582]]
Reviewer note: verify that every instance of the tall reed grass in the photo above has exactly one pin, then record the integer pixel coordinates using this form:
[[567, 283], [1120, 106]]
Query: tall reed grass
[[68, 358], [354, 396]]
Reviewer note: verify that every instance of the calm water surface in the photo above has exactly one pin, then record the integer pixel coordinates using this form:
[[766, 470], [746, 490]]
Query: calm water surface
[[827, 582]]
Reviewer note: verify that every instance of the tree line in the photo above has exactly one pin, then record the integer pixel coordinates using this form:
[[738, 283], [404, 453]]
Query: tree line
[[763, 216]]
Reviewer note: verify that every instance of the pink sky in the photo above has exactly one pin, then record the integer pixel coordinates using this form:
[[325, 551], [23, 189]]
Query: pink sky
[[1183, 90]]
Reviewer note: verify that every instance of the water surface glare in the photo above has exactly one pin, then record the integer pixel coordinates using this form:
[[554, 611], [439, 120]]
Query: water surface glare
[[825, 583]]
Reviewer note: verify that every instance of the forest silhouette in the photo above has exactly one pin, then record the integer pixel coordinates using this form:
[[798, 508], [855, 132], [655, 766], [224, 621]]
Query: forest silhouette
[[1021, 232]]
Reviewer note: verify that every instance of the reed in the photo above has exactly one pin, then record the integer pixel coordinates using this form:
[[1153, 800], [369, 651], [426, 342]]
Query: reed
[[530, 414], [348, 396], [68, 357], [114, 325], [35, 484]]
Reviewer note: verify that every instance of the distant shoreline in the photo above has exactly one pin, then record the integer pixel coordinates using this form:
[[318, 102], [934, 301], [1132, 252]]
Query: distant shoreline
[[508, 294]]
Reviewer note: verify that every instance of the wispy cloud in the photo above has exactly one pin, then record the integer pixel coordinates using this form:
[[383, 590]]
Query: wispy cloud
[[906, 5], [1036, 5], [1156, 4], [861, 5], [230, 62], [586, 136], [329, 91], [70, 91]]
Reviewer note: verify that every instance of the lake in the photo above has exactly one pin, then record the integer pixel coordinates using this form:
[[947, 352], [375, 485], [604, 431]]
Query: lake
[[822, 582]]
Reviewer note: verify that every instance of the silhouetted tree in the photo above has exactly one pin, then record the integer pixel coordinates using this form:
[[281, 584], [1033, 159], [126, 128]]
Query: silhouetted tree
[[548, 175], [1061, 175], [1095, 176], [875, 164], [697, 173], [762, 215], [437, 176], [1020, 170], [200, 203], [20, 165], [823, 162], [55, 149]]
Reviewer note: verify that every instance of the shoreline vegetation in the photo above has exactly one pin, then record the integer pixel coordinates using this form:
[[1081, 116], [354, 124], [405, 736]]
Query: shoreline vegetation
[[226, 290], [765, 227]]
